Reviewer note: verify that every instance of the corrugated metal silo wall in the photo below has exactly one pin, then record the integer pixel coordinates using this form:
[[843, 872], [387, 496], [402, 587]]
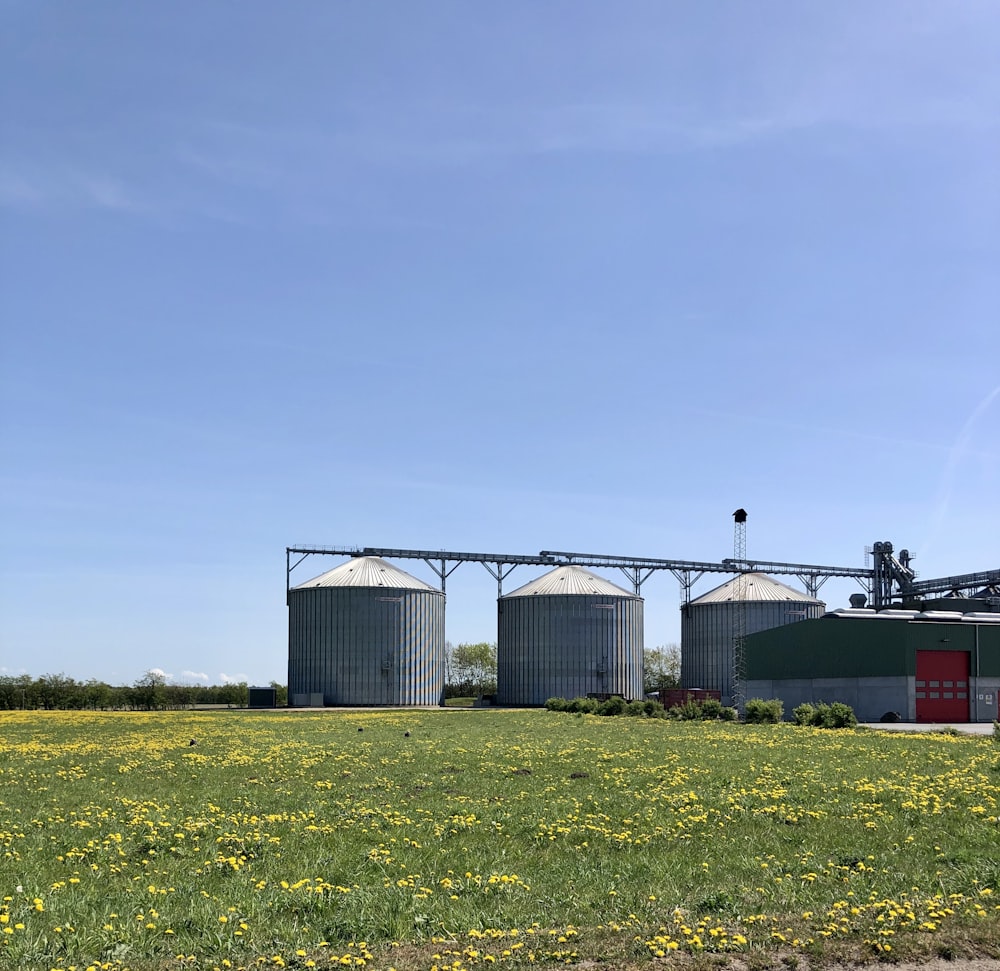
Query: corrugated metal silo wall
[[707, 637], [568, 646], [364, 646]]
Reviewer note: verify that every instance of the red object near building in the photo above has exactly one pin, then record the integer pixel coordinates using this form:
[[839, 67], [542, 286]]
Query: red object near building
[[942, 686], [669, 697]]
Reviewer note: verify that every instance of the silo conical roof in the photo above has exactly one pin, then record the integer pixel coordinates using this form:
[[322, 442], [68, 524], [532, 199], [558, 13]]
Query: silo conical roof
[[760, 587], [367, 571], [570, 580]]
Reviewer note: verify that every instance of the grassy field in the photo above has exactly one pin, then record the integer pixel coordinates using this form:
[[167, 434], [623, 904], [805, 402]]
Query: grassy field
[[461, 839]]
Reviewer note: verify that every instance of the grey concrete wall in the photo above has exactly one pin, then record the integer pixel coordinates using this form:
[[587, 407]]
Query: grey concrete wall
[[870, 698]]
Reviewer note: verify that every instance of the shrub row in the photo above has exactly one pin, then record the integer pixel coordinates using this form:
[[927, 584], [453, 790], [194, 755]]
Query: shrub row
[[611, 706], [757, 711], [822, 715], [708, 709], [691, 710]]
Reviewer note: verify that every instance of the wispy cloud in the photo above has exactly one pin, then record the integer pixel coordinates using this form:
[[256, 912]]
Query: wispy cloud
[[847, 71], [457, 134], [107, 193], [961, 450], [194, 676], [232, 678], [37, 186], [379, 136], [17, 190], [833, 432]]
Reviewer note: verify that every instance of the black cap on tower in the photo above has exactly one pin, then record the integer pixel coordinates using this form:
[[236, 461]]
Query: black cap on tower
[[740, 515]]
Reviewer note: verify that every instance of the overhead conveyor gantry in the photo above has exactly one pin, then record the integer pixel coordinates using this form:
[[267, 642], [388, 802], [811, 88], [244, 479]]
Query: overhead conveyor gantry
[[637, 569], [887, 580], [956, 585], [442, 562]]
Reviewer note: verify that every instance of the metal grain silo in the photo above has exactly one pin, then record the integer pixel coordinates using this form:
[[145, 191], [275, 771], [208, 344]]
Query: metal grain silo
[[568, 634], [365, 633], [707, 626]]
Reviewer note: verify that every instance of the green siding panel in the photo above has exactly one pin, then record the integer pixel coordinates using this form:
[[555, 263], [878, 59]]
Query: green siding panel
[[827, 648], [863, 648], [989, 651]]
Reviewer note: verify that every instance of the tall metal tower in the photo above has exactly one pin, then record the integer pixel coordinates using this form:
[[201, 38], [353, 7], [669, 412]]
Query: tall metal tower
[[739, 609]]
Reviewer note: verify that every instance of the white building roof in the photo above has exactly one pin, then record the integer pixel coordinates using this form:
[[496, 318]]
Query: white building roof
[[367, 571], [570, 580], [933, 616], [760, 587]]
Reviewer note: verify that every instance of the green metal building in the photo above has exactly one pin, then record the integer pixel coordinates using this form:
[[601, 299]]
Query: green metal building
[[922, 666]]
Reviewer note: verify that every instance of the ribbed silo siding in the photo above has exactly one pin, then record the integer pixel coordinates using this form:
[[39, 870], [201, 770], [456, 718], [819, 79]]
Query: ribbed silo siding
[[707, 637], [420, 668], [555, 646], [360, 646]]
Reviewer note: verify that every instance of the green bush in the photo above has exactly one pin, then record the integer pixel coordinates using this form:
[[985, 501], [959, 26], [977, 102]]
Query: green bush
[[839, 715], [760, 712], [613, 706], [822, 715], [610, 707], [689, 711], [709, 709]]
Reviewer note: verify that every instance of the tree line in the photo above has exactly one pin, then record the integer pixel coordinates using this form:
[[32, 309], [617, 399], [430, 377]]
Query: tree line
[[470, 670], [149, 693]]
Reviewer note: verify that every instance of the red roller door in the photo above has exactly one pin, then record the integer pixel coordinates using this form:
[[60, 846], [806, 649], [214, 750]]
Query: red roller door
[[942, 686]]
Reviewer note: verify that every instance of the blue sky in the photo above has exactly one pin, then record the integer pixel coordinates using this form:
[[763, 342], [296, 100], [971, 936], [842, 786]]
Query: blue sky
[[510, 277]]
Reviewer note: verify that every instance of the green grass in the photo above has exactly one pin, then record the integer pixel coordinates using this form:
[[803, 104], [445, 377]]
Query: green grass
[[521, 837]]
